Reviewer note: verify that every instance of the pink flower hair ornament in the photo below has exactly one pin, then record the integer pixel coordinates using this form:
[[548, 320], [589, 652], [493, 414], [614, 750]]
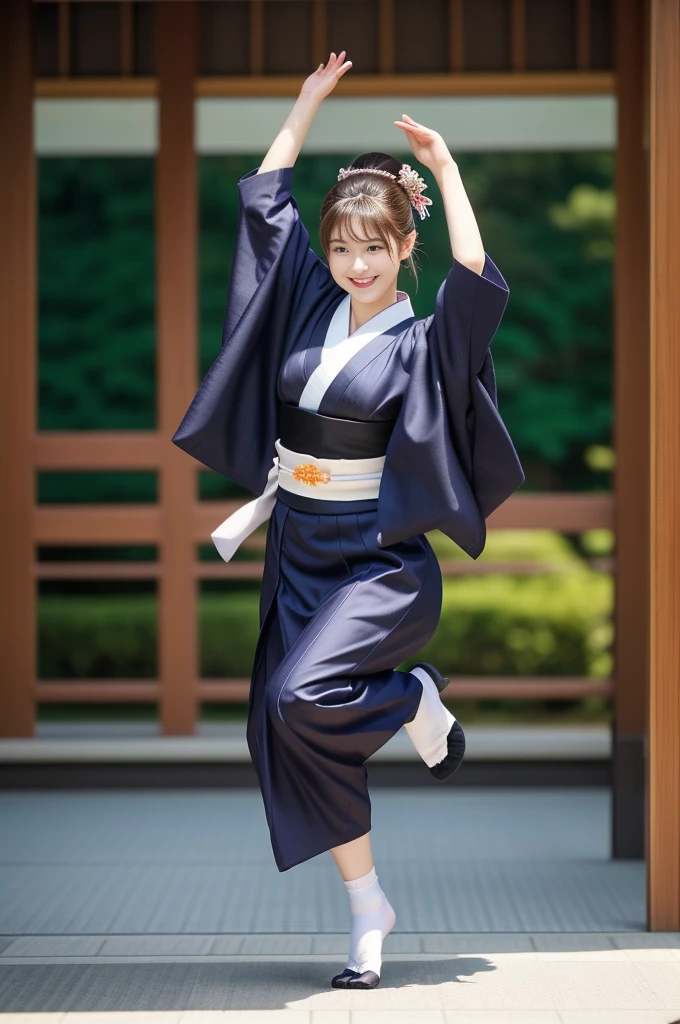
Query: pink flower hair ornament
[[411, 182]]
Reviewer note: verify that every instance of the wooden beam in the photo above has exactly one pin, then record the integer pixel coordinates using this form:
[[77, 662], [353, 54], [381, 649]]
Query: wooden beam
[[92, 449], [554, 511], [208, 515], [320, 52], [460, 688], [97, 570], [126, 39], [140, 523], [236, 690], [385, 37], [96, 691], [17, 367], [539, 688], [631, 442], [252, 570], [456, 37], [664, 612], [64, 39], [557, 510], [96, 524], [256, 37], [176, 316], [518, 35], [139, 87], [532, 83], [583, 35]]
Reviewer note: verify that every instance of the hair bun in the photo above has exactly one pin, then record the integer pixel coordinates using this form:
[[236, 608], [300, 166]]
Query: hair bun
[[409, 179]]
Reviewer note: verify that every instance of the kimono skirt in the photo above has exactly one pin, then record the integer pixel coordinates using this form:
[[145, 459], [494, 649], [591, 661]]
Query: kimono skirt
[[338, 614]]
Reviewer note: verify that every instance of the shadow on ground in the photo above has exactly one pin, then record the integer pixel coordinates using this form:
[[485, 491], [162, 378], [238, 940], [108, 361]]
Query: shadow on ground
[[54, 988]]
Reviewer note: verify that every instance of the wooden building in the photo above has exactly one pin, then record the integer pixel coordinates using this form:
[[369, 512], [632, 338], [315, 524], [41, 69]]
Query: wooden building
[[176, 51]]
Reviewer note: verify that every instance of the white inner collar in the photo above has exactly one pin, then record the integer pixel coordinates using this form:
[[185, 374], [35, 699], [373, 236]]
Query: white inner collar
[[339, 346], [338, 329]]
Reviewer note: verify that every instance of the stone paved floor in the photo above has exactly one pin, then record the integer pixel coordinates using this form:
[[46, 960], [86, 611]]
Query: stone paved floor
[[199, 862], [122, 907]]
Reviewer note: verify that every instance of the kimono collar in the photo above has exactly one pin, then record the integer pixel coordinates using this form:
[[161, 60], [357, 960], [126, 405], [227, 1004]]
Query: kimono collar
[[338, 329], [339, 347]]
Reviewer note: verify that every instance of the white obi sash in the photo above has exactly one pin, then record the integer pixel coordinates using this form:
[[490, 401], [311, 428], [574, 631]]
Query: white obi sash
[[329, 479]]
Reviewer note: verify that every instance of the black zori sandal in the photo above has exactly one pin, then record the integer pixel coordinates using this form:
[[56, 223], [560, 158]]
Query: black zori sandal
[[455, 741], [352, 979]]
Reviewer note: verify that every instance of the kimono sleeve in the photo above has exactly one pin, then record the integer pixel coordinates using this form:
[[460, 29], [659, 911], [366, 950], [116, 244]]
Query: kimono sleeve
[[269, 230], [450, 461], [468, 312], [276, 281]]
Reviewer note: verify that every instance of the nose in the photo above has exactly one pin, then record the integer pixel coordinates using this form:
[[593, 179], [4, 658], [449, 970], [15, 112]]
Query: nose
[[359, 264]]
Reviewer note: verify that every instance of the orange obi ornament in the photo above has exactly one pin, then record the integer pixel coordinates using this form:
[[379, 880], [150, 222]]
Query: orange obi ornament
[[308, 473]]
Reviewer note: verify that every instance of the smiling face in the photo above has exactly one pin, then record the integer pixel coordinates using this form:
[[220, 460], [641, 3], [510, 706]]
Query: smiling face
[[366, 267]]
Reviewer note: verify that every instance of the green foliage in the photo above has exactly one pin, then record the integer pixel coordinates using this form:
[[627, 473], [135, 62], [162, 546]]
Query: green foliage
[[96, 293], [548, 222], [87, 637], [554, 624], [541, 546], [228, 632]]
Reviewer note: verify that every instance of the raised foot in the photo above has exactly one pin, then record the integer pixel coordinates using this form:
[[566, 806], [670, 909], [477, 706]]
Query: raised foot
[[455, 742], [441, 682]]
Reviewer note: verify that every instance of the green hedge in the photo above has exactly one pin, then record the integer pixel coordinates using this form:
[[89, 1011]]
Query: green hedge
[[553, 624]]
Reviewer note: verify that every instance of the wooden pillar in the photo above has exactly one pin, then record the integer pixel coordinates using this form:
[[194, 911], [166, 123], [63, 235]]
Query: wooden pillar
[[664, 687], [176, 318], [17, 369], [631, 439]]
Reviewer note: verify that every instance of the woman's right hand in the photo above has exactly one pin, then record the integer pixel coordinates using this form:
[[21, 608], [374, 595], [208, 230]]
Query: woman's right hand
[[326, 77]]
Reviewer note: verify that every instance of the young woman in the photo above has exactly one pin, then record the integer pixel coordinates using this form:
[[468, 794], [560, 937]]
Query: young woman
[[363, 427]]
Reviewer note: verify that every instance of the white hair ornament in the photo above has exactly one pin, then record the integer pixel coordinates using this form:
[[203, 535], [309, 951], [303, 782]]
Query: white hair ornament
[[409, 179]]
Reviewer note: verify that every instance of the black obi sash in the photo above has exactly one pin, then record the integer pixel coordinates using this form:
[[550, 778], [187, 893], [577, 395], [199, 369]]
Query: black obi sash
[[331, 437]]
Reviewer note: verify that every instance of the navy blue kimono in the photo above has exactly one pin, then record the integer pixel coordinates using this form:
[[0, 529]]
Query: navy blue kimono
[[350, 593]]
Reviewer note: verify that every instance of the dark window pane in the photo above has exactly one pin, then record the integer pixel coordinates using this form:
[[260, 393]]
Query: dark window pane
[[213, 487], [601, 17], [486, 35], [551, 35], [46, 28], [83, 487], [353, 26], [95, 39], [288, 37], [96, 293], [144, 54], [224, 37], [421, 36]]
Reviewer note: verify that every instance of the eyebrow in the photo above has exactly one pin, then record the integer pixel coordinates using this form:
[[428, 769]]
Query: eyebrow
[[367, 240]]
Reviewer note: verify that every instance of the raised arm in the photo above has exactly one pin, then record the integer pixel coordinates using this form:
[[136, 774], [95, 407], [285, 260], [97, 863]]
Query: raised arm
[[285, 148], [431, 150]]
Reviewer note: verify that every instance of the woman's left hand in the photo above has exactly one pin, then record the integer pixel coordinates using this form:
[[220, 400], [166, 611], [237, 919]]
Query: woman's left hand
[[427, 145]]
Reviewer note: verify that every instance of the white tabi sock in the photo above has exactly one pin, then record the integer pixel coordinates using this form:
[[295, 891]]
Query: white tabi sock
[[372, 919], [432, 723]]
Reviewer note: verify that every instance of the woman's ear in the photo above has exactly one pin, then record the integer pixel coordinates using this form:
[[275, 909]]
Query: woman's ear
[[407, 246]]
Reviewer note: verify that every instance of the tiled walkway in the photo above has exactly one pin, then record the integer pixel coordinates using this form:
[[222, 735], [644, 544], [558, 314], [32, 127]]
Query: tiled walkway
[[199, 862], [132, 906]]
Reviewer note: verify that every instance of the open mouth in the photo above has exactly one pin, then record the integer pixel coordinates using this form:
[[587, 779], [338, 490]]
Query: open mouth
[[363, 282]]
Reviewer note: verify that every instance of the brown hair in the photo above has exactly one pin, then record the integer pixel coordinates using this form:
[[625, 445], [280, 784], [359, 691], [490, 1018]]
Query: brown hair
[[379, 202]]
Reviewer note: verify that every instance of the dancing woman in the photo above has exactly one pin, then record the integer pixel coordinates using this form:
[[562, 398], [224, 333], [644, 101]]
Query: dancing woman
[[363, 427]]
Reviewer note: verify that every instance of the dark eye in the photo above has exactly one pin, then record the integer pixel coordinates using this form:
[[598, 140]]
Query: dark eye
[[375, 247], [339, 248]]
